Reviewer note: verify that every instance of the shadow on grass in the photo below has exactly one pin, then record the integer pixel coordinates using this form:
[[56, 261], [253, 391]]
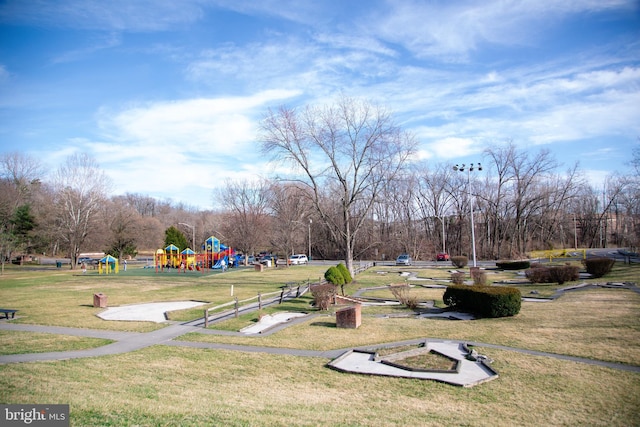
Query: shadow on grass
[[324, 324]]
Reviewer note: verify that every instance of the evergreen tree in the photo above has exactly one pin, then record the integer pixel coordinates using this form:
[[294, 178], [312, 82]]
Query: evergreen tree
[[173, 236]]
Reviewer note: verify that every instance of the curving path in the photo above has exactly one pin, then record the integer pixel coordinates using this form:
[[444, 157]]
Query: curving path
[[131, 341]]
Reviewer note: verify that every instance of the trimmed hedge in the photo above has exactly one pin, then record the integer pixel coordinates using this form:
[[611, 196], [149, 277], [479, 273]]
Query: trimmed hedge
[[513, 265], [598, 267], [560, 274], [486, 301]]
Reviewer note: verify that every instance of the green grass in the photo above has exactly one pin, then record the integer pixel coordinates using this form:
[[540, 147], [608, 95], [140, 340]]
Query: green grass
[[34, 342], [179, 386]]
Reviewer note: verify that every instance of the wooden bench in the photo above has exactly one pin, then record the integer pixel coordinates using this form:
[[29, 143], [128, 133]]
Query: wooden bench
[[7, 311]]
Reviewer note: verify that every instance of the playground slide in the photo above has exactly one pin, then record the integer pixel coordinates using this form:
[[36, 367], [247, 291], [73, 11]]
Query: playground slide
[[218, 263]]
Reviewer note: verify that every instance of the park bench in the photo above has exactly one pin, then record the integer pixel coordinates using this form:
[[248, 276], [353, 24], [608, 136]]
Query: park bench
[[7, 311]]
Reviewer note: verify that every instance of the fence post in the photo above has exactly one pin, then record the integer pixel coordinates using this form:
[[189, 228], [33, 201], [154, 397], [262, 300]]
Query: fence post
[[236, 304], [281, 296], [206, 318], [259, 300]]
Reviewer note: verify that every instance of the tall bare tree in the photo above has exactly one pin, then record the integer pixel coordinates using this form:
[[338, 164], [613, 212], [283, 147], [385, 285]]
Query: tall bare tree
[[20, 177], [80, 186], [353, 147], [435, 197], [290, 212], [247, 224]]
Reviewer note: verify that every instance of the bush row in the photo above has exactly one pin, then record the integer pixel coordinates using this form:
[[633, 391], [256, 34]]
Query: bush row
[[513, 265], [559, 274], [486, 301]]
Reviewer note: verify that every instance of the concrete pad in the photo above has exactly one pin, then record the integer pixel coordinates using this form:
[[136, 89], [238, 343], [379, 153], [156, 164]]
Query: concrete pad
[[269, 321], [470, 373], [457, 315], [150, 312]]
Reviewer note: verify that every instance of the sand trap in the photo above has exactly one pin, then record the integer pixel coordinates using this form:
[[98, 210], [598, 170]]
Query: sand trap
[[270, 320], [151, 312]]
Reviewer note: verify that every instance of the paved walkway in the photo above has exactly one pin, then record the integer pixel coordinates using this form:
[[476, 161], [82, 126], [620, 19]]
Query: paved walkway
[[131, 341], [125, 342]]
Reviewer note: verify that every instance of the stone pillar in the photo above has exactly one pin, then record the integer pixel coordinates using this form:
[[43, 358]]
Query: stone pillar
[[349, 317]]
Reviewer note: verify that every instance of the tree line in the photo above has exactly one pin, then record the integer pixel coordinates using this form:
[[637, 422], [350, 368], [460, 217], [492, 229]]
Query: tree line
[[353, 190]]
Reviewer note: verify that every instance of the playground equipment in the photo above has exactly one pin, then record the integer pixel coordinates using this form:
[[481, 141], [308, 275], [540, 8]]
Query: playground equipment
[[108, 264], [214, 253], [168, 257], [188, 259]]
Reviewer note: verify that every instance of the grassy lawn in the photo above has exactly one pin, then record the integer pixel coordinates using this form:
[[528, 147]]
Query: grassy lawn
[[175, 386]]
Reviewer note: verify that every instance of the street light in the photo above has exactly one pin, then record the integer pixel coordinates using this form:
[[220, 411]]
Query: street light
[[310, 221], [193, 231], [473, 233], [309, 225]]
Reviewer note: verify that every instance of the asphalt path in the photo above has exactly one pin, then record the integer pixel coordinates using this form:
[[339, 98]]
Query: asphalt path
[[125, 342]]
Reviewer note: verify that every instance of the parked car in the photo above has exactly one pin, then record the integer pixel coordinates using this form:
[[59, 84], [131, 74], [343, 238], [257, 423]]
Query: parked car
[[269, 258], [403, 259], [442, 256], [240, 259], [298, 259]]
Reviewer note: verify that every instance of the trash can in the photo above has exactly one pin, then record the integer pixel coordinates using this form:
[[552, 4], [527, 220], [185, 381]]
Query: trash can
[[58, 264], [258, 267], [99, 300]]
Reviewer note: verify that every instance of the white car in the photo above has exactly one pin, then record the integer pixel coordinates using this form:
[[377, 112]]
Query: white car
[[298, 259]]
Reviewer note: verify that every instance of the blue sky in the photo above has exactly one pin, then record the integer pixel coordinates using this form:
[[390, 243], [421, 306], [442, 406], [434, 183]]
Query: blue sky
[[167, 95]]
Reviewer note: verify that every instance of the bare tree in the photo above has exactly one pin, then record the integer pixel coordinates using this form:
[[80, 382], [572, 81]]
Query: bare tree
[[80, 188], [352, 147], [20, 177], [288, 208], [247, 224], [435, 197], [22, 172]]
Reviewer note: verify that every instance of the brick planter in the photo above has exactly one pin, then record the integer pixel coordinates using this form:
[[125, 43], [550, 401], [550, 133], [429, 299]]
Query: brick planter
[[349, 317]]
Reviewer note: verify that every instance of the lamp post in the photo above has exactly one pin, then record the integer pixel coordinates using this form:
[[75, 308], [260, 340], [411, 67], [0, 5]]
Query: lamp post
[[193, 234], [310, 221], [470, 169]]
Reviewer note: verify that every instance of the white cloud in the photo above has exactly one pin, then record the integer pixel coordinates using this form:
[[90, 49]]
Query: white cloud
[[167, 148], [452, 147], [119, 15], [450, 30], [110, 41]]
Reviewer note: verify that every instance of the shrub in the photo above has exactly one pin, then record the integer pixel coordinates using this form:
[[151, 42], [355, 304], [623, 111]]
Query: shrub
[[334, 276], [479, 277], [402, 294], [459, 261], [345, 273], [598, 267], [486, 301], [560, 274], [457, 278], [513, 265], [323, 295]]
